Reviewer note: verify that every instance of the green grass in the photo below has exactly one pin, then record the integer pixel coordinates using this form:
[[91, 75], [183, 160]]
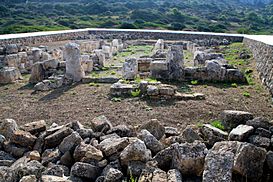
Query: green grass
[[217, 124], [234, 85], [135, 93], [246, 94], [194, 82]]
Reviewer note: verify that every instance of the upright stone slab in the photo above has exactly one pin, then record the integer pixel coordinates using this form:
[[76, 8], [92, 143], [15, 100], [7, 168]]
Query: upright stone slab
[[37, 73], [176, 63], [72, 57], [130, 69], [159, 45]]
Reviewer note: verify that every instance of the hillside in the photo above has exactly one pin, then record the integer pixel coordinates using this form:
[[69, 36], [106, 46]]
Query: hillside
[[240, 16]]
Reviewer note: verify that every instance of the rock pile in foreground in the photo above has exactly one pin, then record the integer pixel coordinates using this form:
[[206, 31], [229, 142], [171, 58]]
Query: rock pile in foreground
[[106, 153]]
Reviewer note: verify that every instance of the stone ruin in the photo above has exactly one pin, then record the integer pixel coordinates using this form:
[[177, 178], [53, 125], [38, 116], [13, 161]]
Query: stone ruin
[[150, 152]]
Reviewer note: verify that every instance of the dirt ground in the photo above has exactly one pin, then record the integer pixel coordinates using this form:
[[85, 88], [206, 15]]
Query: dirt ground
[[83, 102]]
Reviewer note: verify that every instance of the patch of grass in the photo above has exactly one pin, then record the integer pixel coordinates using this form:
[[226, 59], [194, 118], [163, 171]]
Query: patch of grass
[[113, 73], [234, 85], [92, 84], [246, 94], [135, 93], [116, 99], [194, 82], [185, 89], [105, 68], [217, 124], [151, 80], [132, 178]]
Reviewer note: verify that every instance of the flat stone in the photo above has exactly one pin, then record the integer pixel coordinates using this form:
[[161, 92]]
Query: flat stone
[[121, 130], [113, 175], [9, 75], [259, 122], [150, 141], [34, 155], [101, 124], [174, 175], [190, 135], [51, 178], [56, 138], [86, 152], [112, 146], [189, 158], [50, 155], [30, 178], [159, 176], [85, 170], [35, 127], [23, 138], [232, 119], [259, 141], [171, 131], [241, 133], [164, 158], [263, 132]]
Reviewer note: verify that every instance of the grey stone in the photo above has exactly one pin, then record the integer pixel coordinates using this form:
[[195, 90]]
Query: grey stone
[[50, 155], [135, 168], [67, 159], [51, 64], [85, 133], [15, 150], [135, 151], [7, 174], [86, 152], [32, 168], [174, 175], [112, 146], [101, 124], [8, 127], [113, 164], [189, 158], [38, 73], [9, 75], [85, 170], [155, 128], [159, 176], [190, 135], [72, 57], [113, 135], [176, 63], [249, 161], [263, 132], [56, 170], [11, 49], [29, 178], [23, 138], [159, 69], [152, 90], [259, 141], [113, 175], [241, 133], [259, 122], [51, 178], [35, 127], [70, 142], [130, 69], [269, 160], [218, 166], [212, 134], [164, 158], [150, 141], [56, 138], [121, 130], [232, 119], [171, 131]]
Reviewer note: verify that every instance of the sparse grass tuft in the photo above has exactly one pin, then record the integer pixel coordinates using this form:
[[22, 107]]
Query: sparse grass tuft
[[217, 124], [135, 93], [234, 85], [194, 82], [246, 94]]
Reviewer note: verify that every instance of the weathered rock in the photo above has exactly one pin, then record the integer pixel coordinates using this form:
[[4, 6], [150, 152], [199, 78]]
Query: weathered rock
[[113, 175], [51, 64], [240, 133], [56, 138], [212, 134], [7, 174], [8, 127], [155, 128], [76, 125], [201, 57], [263, 132], [86, 63], [86, 152], [85, 133], [150, 141], [174, 175], [50, 155], [171, 131], [6, 159], [50, 178], [112, 146], [189, 158], [159, 176], [259, 141], [31, 168], [152, 90], [9, 75], [30, 178], [113, 135], [164, 158], [35, 127], [70, 142], [135, 168], [159, 69], [67, 159], [121, 89], [232, 119], [39, 145], [176, 63], [34, 155], [11, 49], [218, 166], [85, 170], [249, 161], [159, 45], [56, 170], [259, 122], [101, 124], [113, 164], [15, 150], [23, 138], [269, 160], [38, 73], [135, 151], [121, 130], [42, 86], [130, 69], [190, 135], [72, 57]]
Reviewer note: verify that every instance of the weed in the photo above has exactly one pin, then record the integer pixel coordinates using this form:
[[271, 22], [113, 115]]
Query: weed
[[104, 68], [92, 84], [185, 89], [151, 80], [217, 124], [194, 82], [246, 94], [132, 178], [199, 125], [113, 73], [135, 93], [234, 85]]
